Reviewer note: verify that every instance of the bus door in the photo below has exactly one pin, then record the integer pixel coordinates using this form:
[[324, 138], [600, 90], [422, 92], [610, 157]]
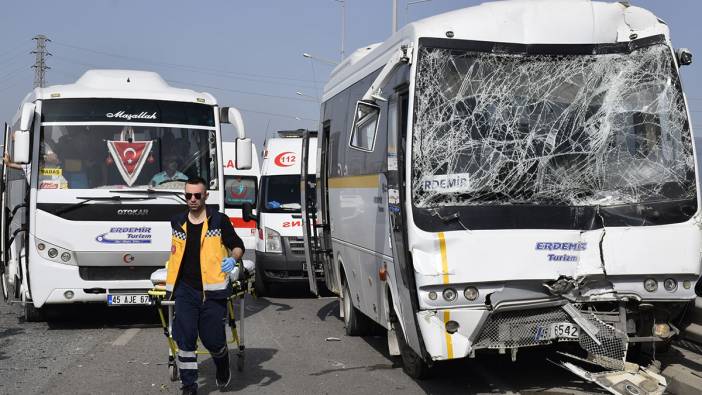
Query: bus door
[[315, 256], [3, 218]]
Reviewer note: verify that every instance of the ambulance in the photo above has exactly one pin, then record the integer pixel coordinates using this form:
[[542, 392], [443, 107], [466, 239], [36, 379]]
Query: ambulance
[[280, 252], [240, 186]]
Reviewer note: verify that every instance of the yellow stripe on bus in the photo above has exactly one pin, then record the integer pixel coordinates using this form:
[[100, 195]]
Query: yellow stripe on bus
[[449, 342], [367, 181], [444, 258]]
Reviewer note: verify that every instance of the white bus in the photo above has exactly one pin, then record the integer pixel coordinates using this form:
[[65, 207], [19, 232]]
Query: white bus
[[103, 164], [280, 252], [240, 186], [513, 174]]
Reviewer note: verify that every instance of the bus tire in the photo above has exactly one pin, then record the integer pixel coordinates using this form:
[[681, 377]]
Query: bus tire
[[33, 314], [412, 363], [355, 322]]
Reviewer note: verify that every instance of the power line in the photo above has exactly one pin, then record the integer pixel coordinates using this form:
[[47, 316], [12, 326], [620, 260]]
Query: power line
[[182, 66], [242, 92]]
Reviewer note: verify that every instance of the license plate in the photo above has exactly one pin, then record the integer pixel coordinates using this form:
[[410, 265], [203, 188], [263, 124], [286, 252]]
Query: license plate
[[559, 330], [127, 299]]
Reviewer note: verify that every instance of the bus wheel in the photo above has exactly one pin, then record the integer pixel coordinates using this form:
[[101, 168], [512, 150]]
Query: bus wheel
[[412, 364], [33, 314], [356, 323]]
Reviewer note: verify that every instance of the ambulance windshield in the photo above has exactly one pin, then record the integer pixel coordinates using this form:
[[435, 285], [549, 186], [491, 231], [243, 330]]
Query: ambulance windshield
[[604, 125]]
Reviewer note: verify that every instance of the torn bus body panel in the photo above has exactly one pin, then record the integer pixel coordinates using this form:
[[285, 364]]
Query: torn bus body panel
[[634, 380]]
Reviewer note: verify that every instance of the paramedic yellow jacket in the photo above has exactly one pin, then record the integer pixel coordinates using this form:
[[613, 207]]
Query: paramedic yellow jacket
[[215, 283]]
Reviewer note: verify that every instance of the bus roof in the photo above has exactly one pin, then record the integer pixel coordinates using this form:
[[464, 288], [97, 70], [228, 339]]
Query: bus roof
[[509, 21], [121, 84]]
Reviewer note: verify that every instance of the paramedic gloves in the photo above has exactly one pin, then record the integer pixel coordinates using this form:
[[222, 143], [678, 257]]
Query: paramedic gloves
[[228, 264]]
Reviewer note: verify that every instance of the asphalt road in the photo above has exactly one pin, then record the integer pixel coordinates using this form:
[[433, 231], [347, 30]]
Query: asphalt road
[[102, 350]]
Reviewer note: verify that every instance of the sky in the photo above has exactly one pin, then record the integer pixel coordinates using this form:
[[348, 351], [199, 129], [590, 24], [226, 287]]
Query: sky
[[247, 53]]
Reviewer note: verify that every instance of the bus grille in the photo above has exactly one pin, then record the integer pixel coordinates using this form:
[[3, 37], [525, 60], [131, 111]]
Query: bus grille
[[116, 273], [518, 328], [297, 245]]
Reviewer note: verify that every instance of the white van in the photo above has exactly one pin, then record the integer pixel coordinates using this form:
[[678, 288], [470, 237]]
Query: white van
[[280, 253], [240, 186]]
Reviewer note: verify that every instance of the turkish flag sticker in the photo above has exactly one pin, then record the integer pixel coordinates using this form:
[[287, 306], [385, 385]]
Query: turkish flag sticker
[[129, 157]]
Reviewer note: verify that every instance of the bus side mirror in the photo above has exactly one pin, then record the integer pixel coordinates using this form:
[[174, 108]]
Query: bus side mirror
[[684, 57], [22, 138], [243, 154], [247, 212]]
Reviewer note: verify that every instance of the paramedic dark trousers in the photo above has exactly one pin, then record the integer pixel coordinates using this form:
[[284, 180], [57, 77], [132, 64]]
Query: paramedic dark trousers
[[194, 318]]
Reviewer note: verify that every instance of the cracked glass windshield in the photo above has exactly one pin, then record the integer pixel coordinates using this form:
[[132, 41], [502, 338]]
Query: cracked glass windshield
[[576, 130]]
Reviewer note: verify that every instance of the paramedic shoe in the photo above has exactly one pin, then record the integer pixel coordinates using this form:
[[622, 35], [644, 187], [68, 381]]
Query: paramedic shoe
[[224, 374], [190, 391]]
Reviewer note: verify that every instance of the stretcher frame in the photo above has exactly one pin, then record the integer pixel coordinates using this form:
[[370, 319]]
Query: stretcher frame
[[240, 287]]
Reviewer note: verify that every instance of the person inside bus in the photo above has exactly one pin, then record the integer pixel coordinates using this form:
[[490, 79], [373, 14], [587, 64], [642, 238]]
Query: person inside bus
[[70, 148], [171, 172], [198, 279]]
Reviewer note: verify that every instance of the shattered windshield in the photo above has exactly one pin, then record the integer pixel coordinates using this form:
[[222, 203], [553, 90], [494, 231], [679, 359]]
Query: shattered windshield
[[573, 129]]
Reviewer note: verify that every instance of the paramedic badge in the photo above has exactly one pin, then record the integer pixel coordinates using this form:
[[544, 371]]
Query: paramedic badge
[[129, 155]]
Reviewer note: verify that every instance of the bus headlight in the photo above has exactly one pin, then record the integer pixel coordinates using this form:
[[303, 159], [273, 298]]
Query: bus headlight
[[471, 293], [449, 294], [273, 242], [650, 285], [53, 252], [670, 285], [66, 256]]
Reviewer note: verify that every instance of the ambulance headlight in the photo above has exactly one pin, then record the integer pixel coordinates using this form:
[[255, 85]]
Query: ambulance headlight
[[650, 285], [53, 252], [273, 242]]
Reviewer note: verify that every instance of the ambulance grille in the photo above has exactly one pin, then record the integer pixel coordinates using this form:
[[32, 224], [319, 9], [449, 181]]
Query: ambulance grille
[[297, 245]]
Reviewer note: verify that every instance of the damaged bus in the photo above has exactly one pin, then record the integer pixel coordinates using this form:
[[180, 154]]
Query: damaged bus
[[514, 174], [98, 169]]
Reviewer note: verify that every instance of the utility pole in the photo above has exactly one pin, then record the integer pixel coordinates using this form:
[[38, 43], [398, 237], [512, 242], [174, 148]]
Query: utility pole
[[343, 26], [40, 66], [394, 16]]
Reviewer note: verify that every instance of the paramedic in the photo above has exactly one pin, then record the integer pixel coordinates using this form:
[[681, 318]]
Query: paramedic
[[198, 280]]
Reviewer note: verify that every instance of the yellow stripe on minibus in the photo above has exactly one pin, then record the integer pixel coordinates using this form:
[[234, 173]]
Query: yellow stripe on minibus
[[444, 258], [449, 342], [367, 181]]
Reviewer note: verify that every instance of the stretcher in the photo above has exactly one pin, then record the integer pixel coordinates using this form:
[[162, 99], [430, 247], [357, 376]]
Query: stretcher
[[242, 278]]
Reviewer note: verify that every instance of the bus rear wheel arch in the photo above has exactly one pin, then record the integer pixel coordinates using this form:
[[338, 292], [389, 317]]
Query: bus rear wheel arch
[[412, 363]]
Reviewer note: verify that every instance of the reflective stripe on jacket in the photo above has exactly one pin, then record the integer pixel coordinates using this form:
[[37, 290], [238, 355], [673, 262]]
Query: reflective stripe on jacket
[[215, 283]]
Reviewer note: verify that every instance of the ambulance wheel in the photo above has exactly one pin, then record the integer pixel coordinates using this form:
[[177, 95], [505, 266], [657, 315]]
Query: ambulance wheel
[[356, 323], [240, 362], [260, 286], [173, 372], [33, 314]]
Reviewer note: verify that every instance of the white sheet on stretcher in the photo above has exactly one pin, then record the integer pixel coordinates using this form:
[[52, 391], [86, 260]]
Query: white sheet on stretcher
[[159, 276]]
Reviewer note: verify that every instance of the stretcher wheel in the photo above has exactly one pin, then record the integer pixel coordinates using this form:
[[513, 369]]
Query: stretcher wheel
[[240, 362], [173, 372]]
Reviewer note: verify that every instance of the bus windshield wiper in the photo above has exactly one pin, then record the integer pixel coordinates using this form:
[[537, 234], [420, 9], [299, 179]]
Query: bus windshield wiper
[[86, 199], [151, 191]]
